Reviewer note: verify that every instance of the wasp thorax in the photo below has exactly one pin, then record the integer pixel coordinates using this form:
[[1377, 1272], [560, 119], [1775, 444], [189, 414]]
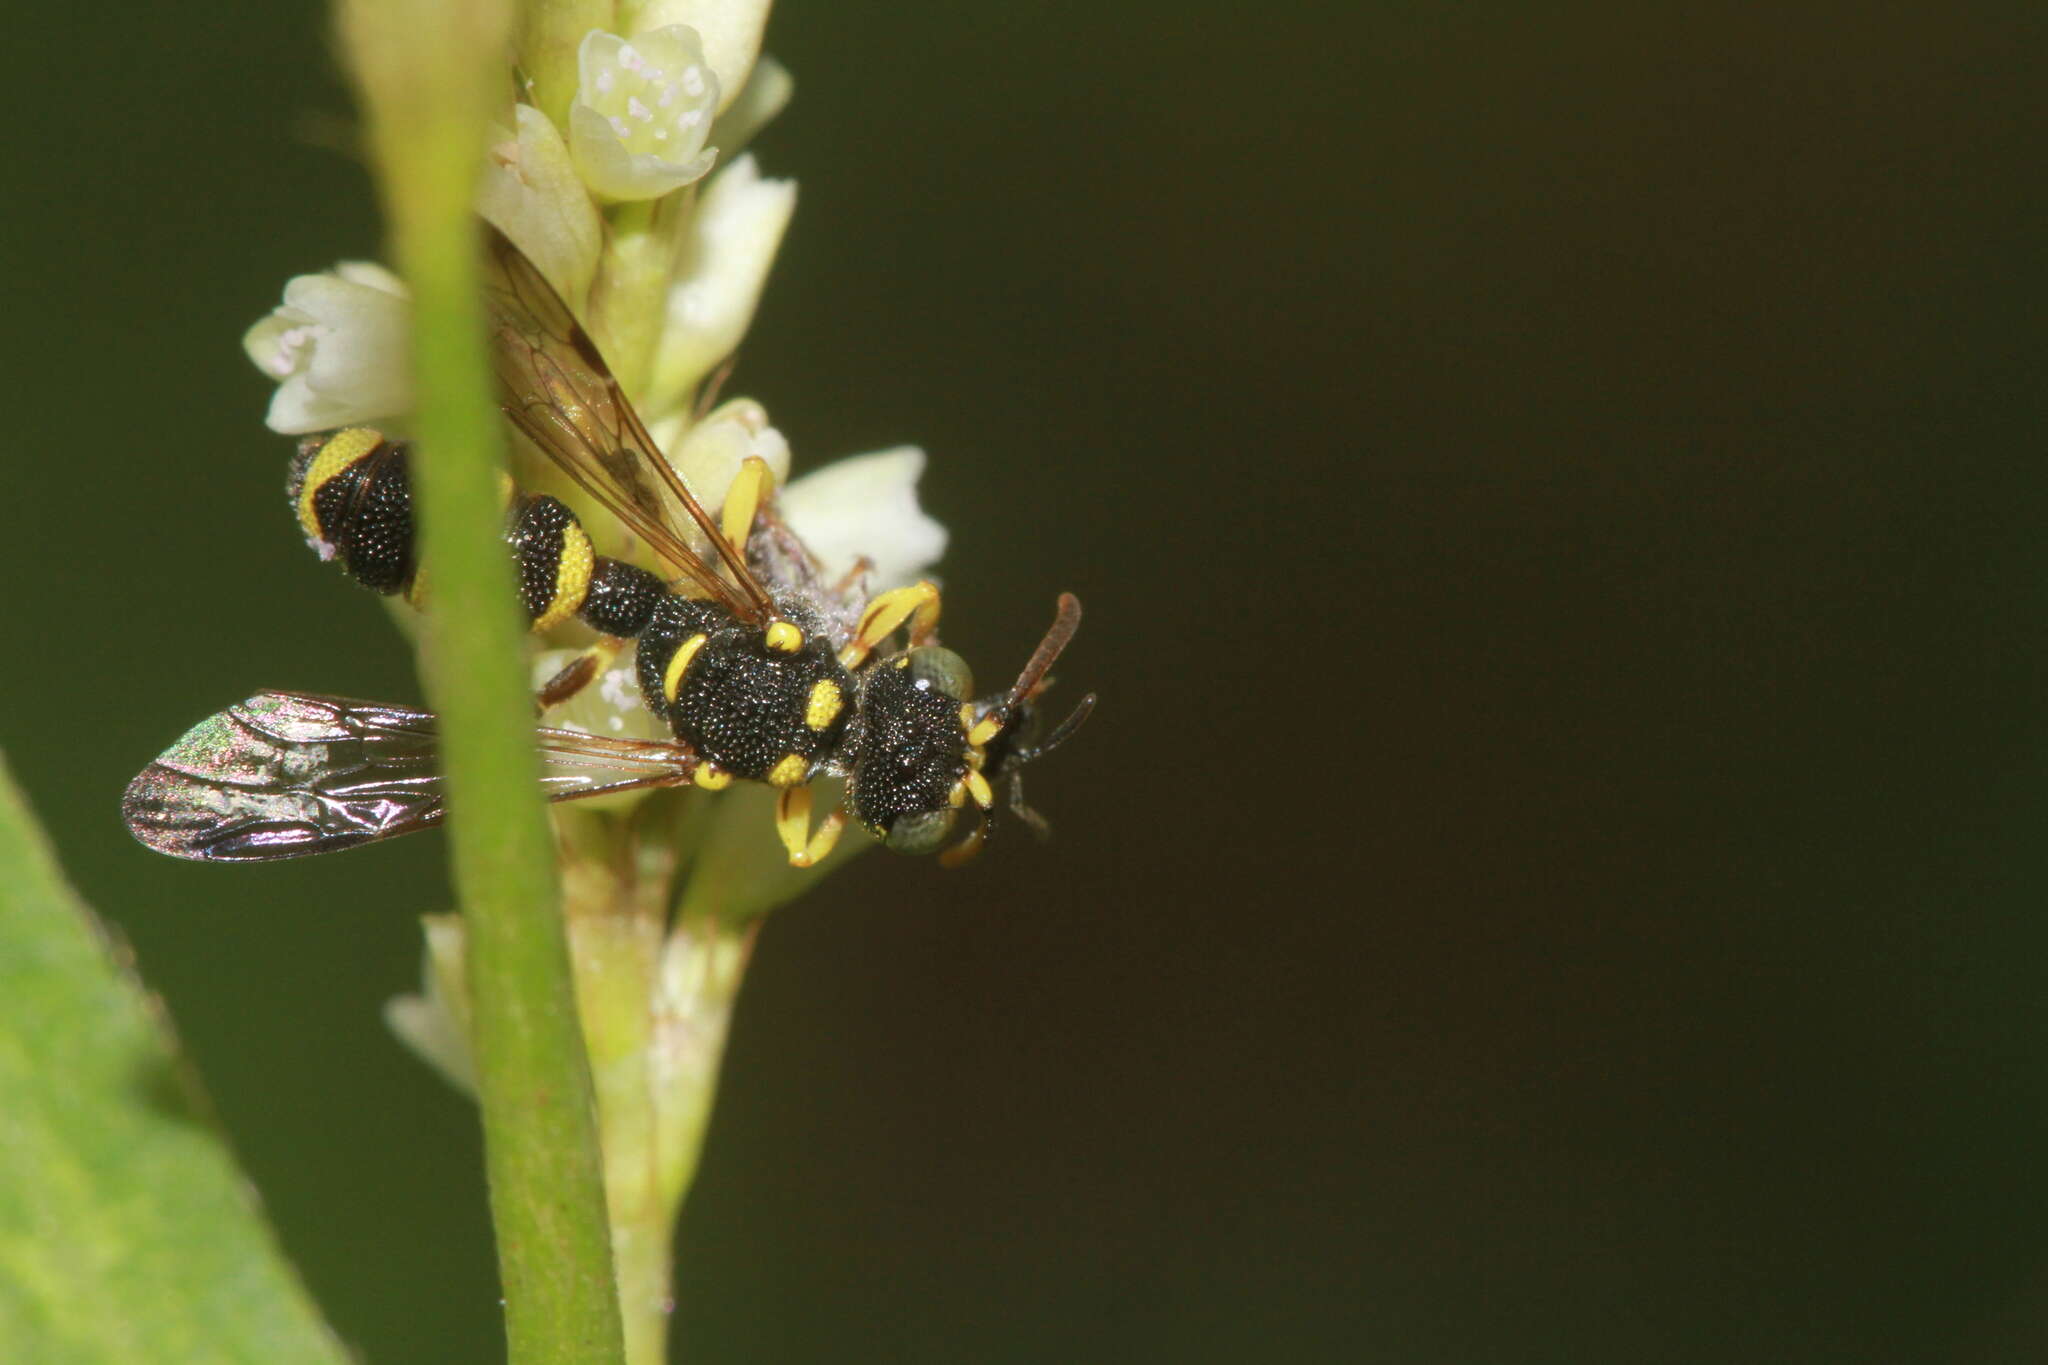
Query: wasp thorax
[[757, 711]]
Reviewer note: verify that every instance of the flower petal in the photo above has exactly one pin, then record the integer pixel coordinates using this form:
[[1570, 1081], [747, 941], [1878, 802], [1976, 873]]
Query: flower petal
[[708, 454], [435, 1024], [532, 193], [374, 275], [338, 347], [867, 505], [730, 31], [767, 92], [733, 238]]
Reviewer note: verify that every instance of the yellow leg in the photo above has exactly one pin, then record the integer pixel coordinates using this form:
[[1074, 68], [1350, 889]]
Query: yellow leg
[[917, 604], [743, 499], [793, 827], [967, 849], [974, 786]]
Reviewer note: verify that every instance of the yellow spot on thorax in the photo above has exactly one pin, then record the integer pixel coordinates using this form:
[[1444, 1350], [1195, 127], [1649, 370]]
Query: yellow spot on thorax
[[824, 704], [678, 663], [783, 637], [788, 771], [712, 779]]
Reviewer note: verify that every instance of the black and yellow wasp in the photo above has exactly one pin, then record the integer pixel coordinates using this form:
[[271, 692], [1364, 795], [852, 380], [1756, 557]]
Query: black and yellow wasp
[[762, 668]]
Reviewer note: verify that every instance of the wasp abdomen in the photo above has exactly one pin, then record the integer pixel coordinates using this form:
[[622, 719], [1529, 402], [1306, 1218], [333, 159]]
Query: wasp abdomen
[[621, 599], [353, 498], [554, 556], [352, 492]]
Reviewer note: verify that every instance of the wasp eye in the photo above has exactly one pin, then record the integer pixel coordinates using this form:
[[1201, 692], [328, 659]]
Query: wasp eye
[[922, 831], [942, 669]]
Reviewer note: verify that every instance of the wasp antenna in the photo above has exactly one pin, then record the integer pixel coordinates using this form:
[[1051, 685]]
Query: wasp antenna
[[1064, 624], [1065, 729]]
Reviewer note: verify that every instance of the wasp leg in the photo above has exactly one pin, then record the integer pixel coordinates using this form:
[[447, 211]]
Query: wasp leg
[[793, 826], [707, 397], [968, 849], [917, 604], [862, 567], [1040, 827], [579, 672], [743, 499]]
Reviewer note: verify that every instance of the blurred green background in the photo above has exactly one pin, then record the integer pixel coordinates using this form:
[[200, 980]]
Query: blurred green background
[[1557, 871]]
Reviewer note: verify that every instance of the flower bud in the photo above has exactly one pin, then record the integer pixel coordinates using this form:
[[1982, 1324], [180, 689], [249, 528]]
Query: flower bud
[[738, 226], [531, 192], [435, 1023]]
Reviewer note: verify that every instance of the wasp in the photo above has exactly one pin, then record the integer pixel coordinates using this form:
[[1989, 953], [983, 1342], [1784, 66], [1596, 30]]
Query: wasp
[[762, 668]]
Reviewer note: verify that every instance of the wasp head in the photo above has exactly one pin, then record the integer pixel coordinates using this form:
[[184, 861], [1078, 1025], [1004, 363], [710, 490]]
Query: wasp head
[[927, 751]]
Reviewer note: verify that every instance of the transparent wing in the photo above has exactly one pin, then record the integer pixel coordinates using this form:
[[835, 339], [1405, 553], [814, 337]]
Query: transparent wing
[[557, 389], [290, 774]]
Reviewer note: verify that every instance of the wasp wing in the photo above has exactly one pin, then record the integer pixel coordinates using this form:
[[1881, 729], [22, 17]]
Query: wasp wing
[[290, 774], [555, 386]]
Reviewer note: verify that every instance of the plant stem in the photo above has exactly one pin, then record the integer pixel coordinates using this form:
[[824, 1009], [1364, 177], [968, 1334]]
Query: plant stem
[[428, 76], [615, 939]]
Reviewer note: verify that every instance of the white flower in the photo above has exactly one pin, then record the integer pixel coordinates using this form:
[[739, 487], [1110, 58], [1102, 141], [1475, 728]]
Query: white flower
[[766, 95], [730, 30], [866, 505], [731, 245], [338, 349], [531, 191], [435, 1023], [643, 109], [610, 705], [709, 453]]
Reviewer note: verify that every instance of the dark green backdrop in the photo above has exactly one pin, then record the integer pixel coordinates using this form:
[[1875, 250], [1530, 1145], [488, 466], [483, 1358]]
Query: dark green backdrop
[[1557, 871]]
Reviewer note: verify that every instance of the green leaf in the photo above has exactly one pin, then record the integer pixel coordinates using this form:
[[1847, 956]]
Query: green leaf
[[126, 1233]]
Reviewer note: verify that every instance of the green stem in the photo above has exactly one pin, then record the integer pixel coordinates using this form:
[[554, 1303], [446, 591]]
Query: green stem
[[615, 938], [541, 1142], [656, 1002], [428, 81], [638, 261]]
